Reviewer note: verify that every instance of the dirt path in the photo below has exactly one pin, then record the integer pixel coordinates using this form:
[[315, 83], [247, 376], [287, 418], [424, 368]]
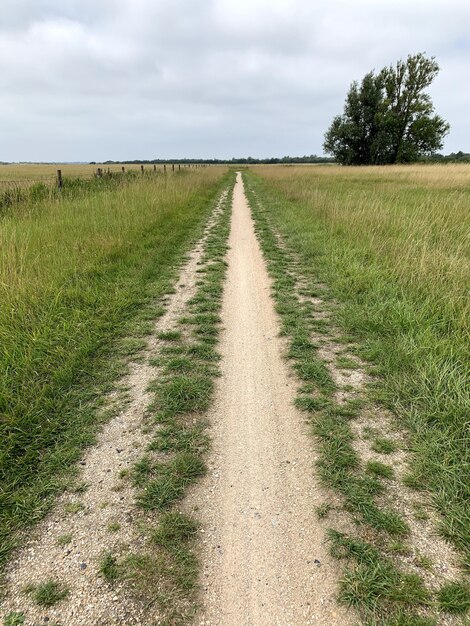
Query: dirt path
[[265, 561]]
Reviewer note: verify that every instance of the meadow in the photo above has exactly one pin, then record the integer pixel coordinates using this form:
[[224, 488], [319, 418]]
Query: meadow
[[391, 245], [77, 273], [34, 172], [369, 278]]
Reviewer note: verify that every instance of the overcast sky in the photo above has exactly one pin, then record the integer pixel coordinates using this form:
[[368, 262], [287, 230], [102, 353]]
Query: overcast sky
[[125, 79]]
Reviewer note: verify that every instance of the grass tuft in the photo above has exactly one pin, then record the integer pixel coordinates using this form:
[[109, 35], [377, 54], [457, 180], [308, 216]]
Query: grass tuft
[[376, 468], [373, 583], [14, 619], [382, 445], [454, 598], [64, 540], [184, 394], [49, 593], [109, 567]]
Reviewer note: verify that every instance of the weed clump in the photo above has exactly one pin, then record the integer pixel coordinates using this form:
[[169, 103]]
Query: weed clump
[[49, 593], [454, 598]]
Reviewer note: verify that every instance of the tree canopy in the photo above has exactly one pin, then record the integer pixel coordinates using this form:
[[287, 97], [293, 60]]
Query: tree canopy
[[388, 117]]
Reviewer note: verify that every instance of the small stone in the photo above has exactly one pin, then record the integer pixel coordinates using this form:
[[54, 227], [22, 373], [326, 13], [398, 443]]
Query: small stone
[[317, 562], [83, 565]]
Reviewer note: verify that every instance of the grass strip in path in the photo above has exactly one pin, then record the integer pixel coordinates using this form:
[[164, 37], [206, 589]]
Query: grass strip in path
[[165, 574]]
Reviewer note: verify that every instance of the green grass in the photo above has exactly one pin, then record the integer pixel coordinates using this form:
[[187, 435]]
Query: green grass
[[77, 276], [376, 468], [184, 394], [382, 445], [109, 567], [169, 335], [454, 598], [403, 619], [323, 510], [167, 482], [64, 540], [73, 507], [14, 619], [345, 362], [372, 584], [391, 244], [49, 593]]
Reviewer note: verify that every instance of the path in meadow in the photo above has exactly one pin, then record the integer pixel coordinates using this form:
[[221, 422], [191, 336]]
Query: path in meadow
[[264, 557]]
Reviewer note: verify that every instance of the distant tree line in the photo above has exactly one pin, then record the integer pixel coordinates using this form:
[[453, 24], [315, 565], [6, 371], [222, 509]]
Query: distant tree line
[[453, 157], [388, 117], [313, 158]]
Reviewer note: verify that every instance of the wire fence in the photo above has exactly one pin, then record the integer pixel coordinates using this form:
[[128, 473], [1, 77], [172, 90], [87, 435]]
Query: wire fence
[[19, 191], [54, 178]]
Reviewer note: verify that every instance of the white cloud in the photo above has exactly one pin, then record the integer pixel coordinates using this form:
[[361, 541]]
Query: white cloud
[[82, 79]]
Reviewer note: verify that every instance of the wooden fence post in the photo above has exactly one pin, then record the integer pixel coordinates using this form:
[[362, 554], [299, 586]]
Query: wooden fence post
[[179, 166], [164, 168], [123, 169], [154, 167], [59, 179], [142, 169], [173, 167]]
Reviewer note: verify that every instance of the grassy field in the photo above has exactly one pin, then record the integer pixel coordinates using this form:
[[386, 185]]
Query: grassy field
[[76, 275], [392, 246], [30, 172]]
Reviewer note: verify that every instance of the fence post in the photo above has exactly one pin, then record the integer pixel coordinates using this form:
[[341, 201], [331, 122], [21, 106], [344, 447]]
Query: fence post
[[59, 179], [179, 166], [173, 167], [164, 168], [154, 167], [123, 169], [142, 169]]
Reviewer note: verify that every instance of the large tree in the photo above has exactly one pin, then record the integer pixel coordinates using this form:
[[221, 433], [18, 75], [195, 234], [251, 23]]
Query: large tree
[[388, 117]]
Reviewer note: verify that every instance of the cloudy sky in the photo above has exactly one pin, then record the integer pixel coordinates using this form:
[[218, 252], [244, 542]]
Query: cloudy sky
[[124, 79]]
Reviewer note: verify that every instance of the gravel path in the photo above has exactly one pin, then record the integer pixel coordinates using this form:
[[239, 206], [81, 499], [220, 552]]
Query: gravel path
[[265, 561]]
